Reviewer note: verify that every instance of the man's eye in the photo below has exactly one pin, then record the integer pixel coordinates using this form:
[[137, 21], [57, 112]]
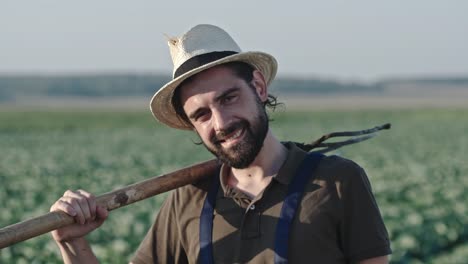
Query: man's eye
[[200, 115], [229, 98]]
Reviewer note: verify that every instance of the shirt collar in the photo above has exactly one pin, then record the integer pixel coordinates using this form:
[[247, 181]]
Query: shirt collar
[[289, 167], [285, 174]]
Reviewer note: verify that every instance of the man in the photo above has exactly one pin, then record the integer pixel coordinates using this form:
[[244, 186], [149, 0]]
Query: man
[[269, 203]]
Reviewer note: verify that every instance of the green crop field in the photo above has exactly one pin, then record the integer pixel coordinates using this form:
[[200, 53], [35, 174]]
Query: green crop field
[[418, 171]]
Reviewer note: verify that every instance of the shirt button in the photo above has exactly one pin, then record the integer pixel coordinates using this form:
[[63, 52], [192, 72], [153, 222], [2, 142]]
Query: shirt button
[[252, 207]]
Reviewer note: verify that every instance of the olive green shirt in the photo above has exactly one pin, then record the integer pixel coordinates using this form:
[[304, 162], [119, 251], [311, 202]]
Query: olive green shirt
[[337, 221]]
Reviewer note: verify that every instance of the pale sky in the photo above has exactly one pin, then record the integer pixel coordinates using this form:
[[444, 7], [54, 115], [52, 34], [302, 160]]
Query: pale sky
[[338, 39]]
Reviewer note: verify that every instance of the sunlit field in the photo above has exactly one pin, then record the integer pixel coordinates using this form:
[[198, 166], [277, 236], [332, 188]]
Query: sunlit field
[[418, 171]]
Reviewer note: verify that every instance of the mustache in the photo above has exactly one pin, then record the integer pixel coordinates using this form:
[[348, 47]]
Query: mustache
[[218, 137]]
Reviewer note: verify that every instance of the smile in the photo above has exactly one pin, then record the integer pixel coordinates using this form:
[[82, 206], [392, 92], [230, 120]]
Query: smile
[[232, 138]]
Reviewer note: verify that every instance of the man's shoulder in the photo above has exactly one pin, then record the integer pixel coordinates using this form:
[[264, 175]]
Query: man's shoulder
[[337, 169], [329, 163], [201, 186], [334, 162], [192, 194]]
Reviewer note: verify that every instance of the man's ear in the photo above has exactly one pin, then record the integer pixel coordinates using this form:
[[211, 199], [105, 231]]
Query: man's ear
[[258, 82]]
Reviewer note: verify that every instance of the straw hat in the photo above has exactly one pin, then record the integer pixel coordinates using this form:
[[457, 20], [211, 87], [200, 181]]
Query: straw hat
[[203, 47]]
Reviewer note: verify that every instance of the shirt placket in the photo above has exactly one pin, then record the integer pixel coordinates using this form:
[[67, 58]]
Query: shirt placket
[[250, 227]]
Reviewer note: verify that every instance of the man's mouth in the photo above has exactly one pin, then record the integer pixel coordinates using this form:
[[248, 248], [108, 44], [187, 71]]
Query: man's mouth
[[232, 138]]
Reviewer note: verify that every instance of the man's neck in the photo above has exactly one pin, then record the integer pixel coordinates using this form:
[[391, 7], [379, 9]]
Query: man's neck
[[253, 179]]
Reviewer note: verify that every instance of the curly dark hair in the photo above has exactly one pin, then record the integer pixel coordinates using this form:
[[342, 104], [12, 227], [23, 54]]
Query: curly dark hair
[[242, 70]]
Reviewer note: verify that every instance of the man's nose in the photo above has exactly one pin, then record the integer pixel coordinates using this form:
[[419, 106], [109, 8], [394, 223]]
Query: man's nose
[[221, 120]]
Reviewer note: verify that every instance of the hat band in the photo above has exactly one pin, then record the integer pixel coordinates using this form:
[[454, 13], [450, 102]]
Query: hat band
[[201, 60]]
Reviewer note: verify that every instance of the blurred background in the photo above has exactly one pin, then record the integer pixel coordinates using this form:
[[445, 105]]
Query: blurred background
[[76, 79]]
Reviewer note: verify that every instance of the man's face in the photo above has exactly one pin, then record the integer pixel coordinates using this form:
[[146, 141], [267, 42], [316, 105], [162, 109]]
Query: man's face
[[227, 114]]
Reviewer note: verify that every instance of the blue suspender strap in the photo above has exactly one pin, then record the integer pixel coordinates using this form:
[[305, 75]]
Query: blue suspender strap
[[206, 223], [290, 205]]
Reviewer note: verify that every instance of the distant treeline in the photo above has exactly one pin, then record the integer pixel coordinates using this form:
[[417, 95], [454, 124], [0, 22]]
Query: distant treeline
[[80, 85], [100, 85]]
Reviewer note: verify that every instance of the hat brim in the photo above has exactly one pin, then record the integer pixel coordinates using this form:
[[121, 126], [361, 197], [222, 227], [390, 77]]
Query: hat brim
[[161, 103]]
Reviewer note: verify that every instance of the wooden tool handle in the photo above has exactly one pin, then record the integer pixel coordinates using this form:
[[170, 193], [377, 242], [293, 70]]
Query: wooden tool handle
[[112, 200]]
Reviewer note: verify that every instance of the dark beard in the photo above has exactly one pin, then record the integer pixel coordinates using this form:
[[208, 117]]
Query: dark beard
[[241, 155]]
